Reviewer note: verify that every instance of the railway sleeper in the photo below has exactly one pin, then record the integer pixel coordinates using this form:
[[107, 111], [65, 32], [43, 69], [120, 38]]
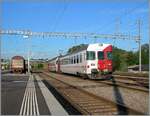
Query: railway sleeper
[[109, 108], [82, 99], [92, 104], [103, 110], [105, 113]]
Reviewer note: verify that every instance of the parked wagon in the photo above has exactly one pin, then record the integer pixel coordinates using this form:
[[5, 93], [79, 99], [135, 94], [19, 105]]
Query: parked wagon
[[18, 64]]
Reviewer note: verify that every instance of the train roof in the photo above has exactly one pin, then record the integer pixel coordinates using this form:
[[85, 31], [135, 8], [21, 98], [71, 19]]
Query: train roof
[[76, 51], [99, 46], [53, 58], [17, 57]]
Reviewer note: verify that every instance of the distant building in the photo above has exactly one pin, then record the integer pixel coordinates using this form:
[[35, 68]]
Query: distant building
[[135, 68], [5, 64]]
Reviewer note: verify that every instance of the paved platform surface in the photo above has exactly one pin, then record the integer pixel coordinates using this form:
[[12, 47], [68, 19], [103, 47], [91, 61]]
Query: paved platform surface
[[22, 95], [12, 92]]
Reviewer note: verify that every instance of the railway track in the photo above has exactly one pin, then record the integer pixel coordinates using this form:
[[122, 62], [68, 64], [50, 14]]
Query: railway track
[[129, 84], [85, 102], [132, 80]]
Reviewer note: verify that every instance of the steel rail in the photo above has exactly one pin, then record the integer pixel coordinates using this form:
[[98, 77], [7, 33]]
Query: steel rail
[[79, 103]]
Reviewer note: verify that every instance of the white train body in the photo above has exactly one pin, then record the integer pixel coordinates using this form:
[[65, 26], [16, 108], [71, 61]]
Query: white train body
[[92, 61]]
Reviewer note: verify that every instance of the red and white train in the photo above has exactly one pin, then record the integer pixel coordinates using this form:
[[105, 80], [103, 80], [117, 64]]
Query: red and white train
[[93, 61]]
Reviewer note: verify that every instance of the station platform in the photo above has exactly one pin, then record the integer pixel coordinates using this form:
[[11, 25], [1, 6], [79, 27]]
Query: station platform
[[27, 95]]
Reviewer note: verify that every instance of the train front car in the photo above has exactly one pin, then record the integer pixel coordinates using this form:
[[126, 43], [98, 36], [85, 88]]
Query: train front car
[[99, 61]]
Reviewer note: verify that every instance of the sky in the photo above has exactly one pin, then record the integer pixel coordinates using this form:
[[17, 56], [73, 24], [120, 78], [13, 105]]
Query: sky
[[96, 16]]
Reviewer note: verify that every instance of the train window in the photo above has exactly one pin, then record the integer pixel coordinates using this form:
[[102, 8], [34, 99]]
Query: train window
[[71, 60], [74, 60], [77, 58], [90, 55], [100, 55], [80, 57], [109, 55], [65, 61]]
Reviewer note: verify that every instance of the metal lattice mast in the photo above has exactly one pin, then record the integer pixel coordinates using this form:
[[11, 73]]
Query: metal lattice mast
[[74, 35], [68, 34]]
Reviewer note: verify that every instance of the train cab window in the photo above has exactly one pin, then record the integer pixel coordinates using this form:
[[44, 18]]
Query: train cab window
[[109, 55], [90, 55], [100, 55]]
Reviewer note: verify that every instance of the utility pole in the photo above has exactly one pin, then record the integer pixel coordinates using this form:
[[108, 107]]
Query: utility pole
[[29, 55], [28, 37], [139, 42]]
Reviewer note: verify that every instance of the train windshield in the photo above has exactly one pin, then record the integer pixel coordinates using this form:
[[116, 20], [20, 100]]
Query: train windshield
[[109, 55], [100, 55], [90, 55]]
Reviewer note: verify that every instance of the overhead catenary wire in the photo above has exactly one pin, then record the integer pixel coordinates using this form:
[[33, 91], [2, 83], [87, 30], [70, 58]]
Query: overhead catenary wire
[[126, 12], [58, 20], [69, 34]]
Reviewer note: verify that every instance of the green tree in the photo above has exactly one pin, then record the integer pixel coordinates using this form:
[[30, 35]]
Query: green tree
[[123, 63], [116, 61], [131, 58], [145, 53], [76, 48], [118, 56]]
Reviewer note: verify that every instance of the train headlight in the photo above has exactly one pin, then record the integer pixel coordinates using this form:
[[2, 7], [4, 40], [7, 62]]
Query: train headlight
[[109, 64]]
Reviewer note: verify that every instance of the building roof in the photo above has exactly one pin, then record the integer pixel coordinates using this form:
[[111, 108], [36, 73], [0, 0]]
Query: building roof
[[144, 67]]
